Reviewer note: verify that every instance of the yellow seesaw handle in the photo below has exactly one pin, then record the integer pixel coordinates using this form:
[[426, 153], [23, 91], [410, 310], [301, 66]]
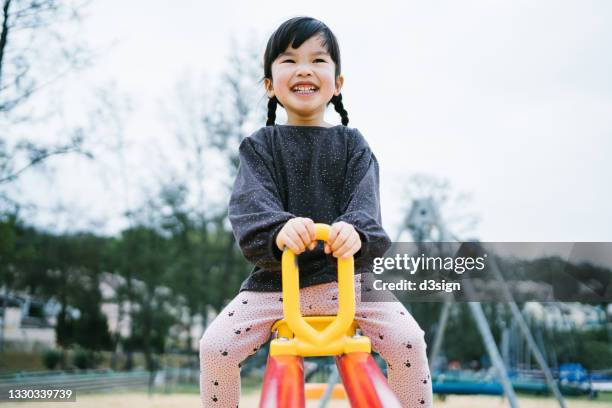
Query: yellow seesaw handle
[[291, 297]]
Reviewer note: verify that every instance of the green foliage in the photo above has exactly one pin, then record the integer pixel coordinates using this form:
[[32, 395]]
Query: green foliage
[[85, 359], [170, 262], [595, 355], [463, 341], [51, 359]]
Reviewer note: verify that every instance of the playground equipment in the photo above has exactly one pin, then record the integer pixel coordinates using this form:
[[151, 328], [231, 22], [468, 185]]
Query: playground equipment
[[296, 337], [425, 223]]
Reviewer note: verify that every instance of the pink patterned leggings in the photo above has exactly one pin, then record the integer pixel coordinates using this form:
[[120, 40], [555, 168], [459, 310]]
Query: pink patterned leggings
[[245, 323]]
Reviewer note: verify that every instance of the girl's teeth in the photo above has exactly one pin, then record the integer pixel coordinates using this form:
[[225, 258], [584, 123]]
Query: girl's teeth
[[304, 90]]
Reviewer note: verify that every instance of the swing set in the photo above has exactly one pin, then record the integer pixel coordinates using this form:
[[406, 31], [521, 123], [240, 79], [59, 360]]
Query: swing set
[[296, 337]]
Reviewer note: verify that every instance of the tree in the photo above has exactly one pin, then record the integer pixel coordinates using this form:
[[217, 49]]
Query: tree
[[9, 259], [145, 259], [239, 108], [207, 265], [34, 34]]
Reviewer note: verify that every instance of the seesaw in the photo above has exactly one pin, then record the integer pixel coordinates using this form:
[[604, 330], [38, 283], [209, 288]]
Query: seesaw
[[296, 337]]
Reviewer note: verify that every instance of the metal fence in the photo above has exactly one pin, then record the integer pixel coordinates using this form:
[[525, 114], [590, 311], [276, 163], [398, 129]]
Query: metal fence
[[81, 381]]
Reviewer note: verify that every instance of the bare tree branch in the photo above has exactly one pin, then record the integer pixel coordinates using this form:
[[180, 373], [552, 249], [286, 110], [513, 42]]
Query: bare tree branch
[[20, 52], [4, 34], [39, 154], [21, 56]]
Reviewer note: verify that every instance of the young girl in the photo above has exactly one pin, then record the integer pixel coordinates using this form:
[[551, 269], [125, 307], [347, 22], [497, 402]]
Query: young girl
[[290, 177]]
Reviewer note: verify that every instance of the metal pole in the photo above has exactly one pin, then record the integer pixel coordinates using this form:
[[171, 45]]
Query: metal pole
[[439, 337], [535, 351], [331, 382], [496, 360], [552, 384], [505, 346]]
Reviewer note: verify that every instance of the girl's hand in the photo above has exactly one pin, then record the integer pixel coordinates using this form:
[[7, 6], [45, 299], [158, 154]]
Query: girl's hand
[[298, 234], [343, 241]]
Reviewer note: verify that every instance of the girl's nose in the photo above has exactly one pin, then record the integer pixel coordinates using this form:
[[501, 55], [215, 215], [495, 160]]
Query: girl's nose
[[303, 70]]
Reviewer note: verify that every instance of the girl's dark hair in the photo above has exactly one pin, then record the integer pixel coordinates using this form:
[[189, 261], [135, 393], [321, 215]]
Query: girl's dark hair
[[295, 32]]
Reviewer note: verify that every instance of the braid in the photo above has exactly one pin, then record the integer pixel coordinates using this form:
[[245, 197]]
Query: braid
[[339, 106], [272, 102]]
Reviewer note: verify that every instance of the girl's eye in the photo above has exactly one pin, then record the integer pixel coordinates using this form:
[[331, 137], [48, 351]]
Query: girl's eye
[[319, 60], [287, 60]]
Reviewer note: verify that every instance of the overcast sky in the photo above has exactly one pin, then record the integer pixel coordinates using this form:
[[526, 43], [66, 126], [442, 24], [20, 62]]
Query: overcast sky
[[511, 101]]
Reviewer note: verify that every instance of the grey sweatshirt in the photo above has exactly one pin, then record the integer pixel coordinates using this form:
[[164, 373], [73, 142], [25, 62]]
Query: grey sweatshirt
[[326, 174]]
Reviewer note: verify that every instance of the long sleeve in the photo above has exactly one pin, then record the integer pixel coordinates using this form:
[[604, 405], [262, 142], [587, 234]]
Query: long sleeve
[[255, 209], [362, 208]]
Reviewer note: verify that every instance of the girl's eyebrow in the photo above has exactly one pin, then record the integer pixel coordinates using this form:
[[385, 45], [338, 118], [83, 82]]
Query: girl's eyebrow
[[290, 54]]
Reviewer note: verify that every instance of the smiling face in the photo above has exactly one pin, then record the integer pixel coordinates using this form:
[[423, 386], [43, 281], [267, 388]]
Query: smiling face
[[303, 81]]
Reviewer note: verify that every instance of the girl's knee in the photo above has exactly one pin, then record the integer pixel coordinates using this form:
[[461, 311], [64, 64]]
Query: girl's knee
[[210, 346], [411, 331], [205, 348], [417, 339], [218, 348], [405, 349], [411, 340]]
